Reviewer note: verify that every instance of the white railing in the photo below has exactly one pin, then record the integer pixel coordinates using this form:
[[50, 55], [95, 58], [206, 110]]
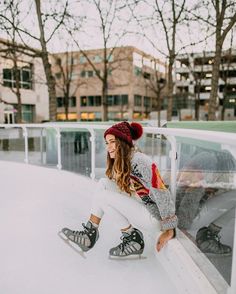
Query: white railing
[[228, 139], [171, 134]]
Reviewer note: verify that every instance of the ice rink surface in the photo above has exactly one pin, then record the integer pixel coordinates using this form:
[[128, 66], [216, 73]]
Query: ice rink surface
[[35, 204]]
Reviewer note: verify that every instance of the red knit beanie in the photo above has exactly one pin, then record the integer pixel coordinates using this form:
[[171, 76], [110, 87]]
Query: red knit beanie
[[125, 131]]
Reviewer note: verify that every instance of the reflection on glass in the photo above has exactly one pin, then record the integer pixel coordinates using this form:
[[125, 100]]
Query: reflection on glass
[[205, 204]]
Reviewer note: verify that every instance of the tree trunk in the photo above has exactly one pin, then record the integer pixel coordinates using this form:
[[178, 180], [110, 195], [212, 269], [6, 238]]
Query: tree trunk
[[17, 92], [104, 101], [170, 89], [214, 82], [47, 66], [197, 102], [105, 88]]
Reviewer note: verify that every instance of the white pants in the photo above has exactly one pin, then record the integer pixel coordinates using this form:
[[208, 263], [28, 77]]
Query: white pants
[[125, 209]]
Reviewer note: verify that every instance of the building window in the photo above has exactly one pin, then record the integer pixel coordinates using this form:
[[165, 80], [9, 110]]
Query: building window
[[117, 100], [72, 101], [82, 59], [90, 73], [83, 101], [90, 116], [97, 59], [147, 101], [147, 75], [90, 101], [24, 74], [137, 100], [137, 71], [97, 100], [71, 116], [83, 74], [28, 112], [61, 102], [124, 99], [110, 58]]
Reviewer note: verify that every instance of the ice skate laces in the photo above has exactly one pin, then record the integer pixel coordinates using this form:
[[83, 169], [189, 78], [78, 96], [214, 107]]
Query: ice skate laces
[[125, 241]]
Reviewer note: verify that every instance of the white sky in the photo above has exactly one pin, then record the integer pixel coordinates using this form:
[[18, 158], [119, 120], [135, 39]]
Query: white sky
[[89, 37], [36, 203]]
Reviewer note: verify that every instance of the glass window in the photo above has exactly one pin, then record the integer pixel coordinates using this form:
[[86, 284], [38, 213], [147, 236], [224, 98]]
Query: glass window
[[72, 101], [82, 59], [90, 73], [97, 59], [60, 102], [83, 74], [110, 58], [124, 99], [147, 101], [98, 101], [24, 75], [83, 101], [117, 100], [137, 71], [90, 101], [147, 75], [28, 113], [7, 74], [110, 100], [137, 100]]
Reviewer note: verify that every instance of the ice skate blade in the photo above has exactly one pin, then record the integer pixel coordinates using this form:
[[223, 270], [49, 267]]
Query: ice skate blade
[[129, 257], [71, 244]]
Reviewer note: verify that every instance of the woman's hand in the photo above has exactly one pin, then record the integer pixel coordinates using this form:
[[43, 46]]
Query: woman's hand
[[164, 238]]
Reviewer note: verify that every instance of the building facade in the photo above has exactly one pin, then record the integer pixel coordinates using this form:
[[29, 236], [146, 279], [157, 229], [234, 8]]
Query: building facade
[[193, 82], [32, 84], [131, 90]]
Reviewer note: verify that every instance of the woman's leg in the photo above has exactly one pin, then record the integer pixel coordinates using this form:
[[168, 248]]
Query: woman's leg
[[125, 209]]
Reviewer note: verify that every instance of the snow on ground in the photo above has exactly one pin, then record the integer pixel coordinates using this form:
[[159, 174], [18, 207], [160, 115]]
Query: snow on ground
[[36, 203]]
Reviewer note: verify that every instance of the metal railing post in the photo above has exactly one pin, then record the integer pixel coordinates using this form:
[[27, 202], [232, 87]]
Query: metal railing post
[[25, 135], [41, 145], [93, 152], [58, 136], [173, 157]]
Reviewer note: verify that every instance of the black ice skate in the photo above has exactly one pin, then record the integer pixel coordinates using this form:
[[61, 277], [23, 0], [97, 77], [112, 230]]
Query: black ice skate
[[85, 239], [132, 245], [208, 241]]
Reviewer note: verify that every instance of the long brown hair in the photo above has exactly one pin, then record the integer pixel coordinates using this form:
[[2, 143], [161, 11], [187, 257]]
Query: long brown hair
[[119, 168]]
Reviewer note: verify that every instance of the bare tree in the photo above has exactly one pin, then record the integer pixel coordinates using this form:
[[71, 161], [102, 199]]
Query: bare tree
[[109, 14], [45, 55], [9, 49], [66, 82], [157, 85], [170, 23], [219, 17], [52, 16], [164, 18], [226, 62]]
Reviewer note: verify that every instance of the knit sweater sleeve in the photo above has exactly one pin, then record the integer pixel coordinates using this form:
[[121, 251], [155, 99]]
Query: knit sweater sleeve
[[147, 173]]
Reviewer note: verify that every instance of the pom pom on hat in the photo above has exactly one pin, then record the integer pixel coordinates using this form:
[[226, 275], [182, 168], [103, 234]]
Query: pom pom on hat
[[125, 131], [136, 130]]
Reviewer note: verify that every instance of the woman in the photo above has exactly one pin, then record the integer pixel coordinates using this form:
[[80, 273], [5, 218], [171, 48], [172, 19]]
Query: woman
[[133, 191]]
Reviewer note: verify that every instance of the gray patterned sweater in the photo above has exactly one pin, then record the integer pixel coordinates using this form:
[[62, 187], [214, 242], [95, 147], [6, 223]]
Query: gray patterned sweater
[[148, 184]]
